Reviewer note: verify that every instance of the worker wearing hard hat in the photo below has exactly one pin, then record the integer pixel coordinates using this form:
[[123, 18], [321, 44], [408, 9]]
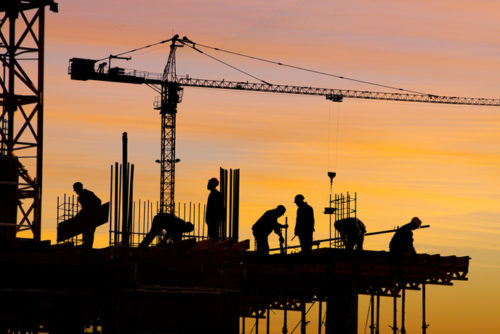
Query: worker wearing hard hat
[[304, 226], [402, 241]]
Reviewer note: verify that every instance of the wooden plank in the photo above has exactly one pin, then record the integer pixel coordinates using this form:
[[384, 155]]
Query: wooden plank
[[81, 222]]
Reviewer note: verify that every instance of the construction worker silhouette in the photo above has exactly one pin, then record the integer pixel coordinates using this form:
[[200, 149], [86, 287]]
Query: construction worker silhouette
[[304, 226], [215, 210], [352, 232], [267, 224], [174, 226], [402, 240], [90, 205]]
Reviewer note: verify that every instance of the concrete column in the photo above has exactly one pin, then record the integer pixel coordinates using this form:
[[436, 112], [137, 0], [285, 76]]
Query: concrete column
[[342, 308]]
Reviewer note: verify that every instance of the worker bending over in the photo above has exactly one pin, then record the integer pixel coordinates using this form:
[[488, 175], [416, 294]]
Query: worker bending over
[[402, 240], [173, 226], [352, 232], [267, 224]]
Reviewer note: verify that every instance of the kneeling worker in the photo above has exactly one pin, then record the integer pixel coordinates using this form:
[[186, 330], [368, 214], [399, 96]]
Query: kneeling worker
[[174, 226]]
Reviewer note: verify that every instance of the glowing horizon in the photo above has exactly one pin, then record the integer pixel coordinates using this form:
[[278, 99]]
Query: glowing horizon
[[438, 162]]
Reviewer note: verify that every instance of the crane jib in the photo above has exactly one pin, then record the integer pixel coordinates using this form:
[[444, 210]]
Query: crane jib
[[85, 69]]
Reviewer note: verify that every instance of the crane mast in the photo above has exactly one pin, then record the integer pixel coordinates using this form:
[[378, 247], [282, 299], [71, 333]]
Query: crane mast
[[170, 85], [171, 95]]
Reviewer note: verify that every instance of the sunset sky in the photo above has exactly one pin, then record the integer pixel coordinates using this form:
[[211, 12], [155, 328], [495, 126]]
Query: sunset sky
[[438, 162]]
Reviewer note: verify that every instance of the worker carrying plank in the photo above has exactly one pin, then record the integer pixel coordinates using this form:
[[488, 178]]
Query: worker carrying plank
[[173, 226], [402, 240], [267, 224], [92, 215], [352, 232]]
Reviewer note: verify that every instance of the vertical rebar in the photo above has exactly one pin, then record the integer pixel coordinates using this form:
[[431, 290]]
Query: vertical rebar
[[190, 208], [229, 221], [286, 235], [131, 197], [139, 219], [110, 205], [120, 185], [116, 204], [125, 190], [204, 219], [199, 221]]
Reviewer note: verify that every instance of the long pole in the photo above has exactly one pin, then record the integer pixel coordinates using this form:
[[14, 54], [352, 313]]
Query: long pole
[[372, 311], [424, 322], [395, 305], [377, 331], [319, 316], [125, 198]]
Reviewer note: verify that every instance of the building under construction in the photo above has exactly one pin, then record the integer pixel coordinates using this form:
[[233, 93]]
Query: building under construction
[[190, 286]]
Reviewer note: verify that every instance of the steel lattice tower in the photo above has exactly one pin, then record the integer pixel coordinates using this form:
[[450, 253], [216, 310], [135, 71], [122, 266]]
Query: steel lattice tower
[[22, 26]]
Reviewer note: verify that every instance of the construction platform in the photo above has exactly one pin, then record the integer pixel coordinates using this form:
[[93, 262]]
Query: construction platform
[[190, 287]]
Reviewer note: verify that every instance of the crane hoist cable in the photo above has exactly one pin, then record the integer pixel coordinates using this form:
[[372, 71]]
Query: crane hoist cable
[[223, 62], [187, 42], [310, 70], [138, 49]]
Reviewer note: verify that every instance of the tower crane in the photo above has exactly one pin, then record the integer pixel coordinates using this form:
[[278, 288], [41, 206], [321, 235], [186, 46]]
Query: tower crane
[[171, 88]]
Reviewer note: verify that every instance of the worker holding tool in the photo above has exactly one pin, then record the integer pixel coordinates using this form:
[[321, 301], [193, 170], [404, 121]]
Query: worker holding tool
[[304, 226], [352, 232], [402, 240], [267, 224]]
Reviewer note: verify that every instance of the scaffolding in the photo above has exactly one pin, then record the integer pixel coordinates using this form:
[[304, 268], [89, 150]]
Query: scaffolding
[[340, 207], [142, 214], [67, 208]]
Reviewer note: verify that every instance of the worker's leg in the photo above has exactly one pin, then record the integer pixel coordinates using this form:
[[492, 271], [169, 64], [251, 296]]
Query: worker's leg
[[262, 245], [88, 238], [306, 242], [213, 231]]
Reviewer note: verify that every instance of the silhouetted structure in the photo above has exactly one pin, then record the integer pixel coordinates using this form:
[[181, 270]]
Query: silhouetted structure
[[22, 35], [173, 226], [215, 210], [352, 232], [267, 224], [90, 204], [201, 289], [304, 226], [230, 190], [402, 240]]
